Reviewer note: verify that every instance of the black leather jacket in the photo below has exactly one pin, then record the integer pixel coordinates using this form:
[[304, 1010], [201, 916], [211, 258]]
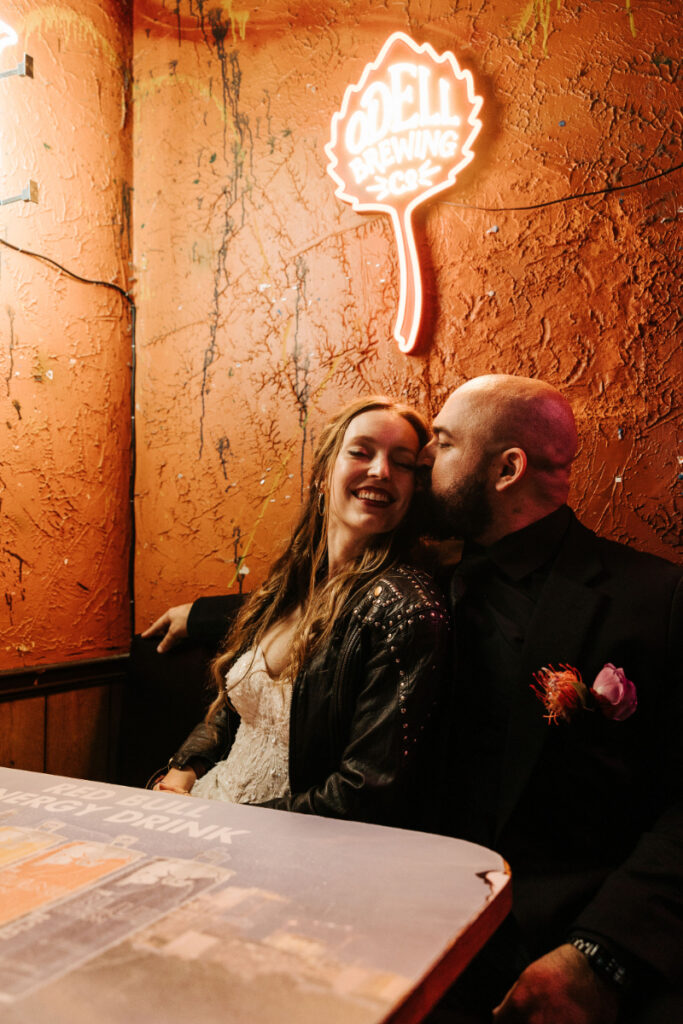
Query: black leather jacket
[[361, 707]]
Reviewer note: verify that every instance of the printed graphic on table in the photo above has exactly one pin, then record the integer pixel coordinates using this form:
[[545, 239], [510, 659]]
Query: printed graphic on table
[[158, 908], [43, 880], [18, 843], [48, 944]]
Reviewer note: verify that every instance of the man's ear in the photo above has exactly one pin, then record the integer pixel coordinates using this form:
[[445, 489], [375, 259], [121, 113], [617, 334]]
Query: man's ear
[[510, 467]]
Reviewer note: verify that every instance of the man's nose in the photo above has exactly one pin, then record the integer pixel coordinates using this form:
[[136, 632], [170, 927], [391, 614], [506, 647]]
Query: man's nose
[[425, 459]]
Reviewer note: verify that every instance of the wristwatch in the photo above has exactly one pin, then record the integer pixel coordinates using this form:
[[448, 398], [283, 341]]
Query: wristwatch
[[604, 963], [197, 763]]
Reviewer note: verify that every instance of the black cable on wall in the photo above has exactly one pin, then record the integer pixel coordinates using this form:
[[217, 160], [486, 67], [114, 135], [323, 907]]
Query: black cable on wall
[[133, 315], [131, 483]]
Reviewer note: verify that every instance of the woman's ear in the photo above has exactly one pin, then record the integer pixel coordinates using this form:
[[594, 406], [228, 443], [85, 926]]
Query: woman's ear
[[510, 467]]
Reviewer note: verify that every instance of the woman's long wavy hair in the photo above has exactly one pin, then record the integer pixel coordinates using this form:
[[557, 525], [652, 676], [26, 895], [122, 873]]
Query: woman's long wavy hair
[[299, 579]]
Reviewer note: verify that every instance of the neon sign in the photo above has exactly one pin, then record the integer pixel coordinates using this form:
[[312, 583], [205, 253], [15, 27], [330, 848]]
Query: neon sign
[[8, 37], [403, 133]]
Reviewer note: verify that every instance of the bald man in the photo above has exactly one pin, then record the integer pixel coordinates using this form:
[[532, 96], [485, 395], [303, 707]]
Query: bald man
[[582, 796]]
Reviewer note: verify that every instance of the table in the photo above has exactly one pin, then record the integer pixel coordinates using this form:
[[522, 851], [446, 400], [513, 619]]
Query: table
[[122, 906]]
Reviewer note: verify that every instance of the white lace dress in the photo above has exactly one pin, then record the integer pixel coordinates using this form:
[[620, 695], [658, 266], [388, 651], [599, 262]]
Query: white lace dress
[[256, 769]]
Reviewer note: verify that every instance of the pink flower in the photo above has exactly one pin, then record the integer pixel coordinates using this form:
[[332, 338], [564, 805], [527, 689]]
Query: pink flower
[[615, 694]]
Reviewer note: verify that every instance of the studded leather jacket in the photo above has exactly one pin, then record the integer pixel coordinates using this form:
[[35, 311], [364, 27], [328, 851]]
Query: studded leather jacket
[[361, 709]]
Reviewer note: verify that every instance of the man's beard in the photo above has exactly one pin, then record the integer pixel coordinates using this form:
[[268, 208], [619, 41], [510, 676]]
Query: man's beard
[[464, 511]]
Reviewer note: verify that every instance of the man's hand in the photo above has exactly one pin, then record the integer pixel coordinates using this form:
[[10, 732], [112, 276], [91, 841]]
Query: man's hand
[[173, 624], [177, 780], [559, 988]]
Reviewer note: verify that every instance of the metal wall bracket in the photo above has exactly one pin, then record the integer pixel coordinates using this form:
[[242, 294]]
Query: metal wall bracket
[[25, 68], [29, 195]]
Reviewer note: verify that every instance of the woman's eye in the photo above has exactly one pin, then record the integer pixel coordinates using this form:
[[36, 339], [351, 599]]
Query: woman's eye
[[358, 453], [410, 466]]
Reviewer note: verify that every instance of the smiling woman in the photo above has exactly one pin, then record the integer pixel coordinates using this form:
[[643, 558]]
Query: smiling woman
[[334, 665], [372, 482]]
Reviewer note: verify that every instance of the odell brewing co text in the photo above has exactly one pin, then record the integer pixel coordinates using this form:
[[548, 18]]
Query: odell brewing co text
[[402, 134]]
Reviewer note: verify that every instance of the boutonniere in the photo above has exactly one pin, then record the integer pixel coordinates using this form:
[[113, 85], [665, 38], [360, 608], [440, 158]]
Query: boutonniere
[[564, 693]]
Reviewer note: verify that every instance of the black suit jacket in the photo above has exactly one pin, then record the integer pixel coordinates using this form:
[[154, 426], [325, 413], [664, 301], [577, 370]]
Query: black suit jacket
[[590, 813]]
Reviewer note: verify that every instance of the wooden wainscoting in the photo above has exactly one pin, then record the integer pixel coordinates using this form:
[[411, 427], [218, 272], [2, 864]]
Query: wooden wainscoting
[[64, 719]]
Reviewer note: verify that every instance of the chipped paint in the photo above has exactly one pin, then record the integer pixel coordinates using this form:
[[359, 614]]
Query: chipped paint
[[291, 311], [264, 303], [65, 345], [536, 15], [238, 18], [74, 28], [71, 28]]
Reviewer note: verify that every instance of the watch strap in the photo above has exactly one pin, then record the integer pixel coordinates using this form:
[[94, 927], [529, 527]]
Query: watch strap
[[605, 964]]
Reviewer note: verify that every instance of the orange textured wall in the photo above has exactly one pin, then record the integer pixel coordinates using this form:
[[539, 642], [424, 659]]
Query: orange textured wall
[[265, 302], [64, 344]]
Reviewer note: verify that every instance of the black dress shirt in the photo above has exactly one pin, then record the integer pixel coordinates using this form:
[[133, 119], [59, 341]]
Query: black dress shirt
[[494, 592]]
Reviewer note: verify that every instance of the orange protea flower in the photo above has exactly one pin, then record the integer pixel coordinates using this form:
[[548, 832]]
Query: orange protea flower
[[562, 691]]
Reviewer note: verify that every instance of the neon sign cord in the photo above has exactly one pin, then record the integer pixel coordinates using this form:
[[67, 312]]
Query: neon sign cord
[[564, 199], [133, 365]]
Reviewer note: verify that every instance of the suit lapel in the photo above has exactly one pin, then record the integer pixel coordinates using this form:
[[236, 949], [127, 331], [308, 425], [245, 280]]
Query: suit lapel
[[557, 633]]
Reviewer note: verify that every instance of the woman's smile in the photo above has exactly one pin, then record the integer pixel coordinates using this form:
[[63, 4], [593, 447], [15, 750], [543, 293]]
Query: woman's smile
[[374, 497]]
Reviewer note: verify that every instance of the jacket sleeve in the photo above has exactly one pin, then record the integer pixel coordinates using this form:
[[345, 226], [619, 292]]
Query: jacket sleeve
[[393, 682], [210, 617], [639, 907], [210, 743]]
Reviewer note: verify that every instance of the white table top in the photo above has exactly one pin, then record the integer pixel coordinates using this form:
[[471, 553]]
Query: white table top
[[123, 906]]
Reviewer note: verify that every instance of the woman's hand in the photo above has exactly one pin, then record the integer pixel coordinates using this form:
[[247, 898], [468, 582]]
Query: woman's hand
[[177, 780], [173, 624]]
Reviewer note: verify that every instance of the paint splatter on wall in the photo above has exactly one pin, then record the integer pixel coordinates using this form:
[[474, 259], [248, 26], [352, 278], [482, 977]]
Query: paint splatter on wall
[[266, 303], [64, 345]]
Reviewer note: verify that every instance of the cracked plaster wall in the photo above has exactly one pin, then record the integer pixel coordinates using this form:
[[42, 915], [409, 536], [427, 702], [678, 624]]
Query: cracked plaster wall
[[64, 345], [265, 302]]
